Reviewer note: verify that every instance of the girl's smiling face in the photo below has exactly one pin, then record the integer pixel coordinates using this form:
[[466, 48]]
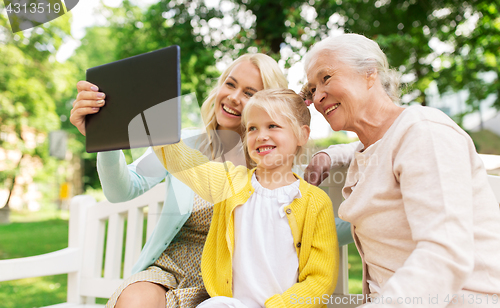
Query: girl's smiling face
[[271, 142], [242, 83]]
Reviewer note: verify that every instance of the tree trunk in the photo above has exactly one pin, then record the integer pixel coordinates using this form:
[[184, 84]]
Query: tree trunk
[[5, 210], [11, 188], [419, 75], [270, 24], [4, 216], [13, 181], [481, 123]]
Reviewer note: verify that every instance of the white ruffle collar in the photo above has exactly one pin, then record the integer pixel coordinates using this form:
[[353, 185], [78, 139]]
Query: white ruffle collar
[[284, 195]]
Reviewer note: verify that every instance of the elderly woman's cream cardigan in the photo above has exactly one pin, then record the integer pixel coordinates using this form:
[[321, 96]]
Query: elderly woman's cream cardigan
[[423, 215]]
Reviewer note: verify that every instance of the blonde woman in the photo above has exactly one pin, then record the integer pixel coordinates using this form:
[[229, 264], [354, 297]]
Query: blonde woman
[[167, 272]]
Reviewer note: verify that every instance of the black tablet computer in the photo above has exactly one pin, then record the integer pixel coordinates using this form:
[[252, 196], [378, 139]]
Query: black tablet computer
[[142, 102]]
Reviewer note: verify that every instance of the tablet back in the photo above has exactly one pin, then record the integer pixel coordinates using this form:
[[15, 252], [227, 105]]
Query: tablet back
[[142, 102]]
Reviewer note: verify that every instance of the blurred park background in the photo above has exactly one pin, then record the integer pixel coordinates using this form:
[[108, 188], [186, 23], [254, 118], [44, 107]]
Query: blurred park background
[[447, 51]]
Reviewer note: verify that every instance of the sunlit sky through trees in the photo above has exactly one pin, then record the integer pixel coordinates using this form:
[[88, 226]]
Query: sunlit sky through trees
[[84, 15]]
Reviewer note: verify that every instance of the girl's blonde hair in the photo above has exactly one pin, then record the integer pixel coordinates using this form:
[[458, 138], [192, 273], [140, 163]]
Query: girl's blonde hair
[[272, 78], [279, 103]]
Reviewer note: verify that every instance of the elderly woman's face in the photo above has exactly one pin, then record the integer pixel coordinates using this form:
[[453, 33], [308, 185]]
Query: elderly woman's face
[[338, 90]]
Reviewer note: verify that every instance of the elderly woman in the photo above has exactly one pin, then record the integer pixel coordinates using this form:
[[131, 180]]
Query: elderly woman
[[424, 219]]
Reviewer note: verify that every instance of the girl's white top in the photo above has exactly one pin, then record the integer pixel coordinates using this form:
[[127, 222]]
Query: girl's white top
[[265, 262]]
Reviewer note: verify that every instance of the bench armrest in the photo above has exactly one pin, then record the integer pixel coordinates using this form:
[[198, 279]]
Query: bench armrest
[[63, 261]]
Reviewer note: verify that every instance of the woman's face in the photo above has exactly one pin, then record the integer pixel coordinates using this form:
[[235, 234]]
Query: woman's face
[[242, 83], [339, 92]]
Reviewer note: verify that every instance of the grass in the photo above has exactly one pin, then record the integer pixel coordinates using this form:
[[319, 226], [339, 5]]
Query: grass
[[30, 216], [33, 238], [355, 270], [33, 292], [32, 234], [23, 239]]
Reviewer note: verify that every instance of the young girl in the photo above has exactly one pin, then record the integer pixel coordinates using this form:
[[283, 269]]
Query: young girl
[[272, 240]]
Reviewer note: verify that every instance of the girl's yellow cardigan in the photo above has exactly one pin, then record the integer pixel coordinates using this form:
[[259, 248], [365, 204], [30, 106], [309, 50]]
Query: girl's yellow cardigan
[[310, 218]]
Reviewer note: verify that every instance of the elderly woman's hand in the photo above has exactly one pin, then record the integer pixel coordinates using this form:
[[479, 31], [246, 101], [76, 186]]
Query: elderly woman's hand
[[306, 95], [88, 101], [318, 169]]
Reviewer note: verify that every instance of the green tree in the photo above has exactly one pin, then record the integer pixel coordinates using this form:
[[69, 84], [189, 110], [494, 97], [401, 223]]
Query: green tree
[[91, 52], [411, 33], [408, 32], [28, 91], [164, 24], [405, 30], [473, 63], [131, 31]]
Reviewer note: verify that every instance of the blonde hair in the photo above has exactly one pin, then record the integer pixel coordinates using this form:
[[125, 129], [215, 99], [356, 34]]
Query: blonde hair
[[362, 54], [272, 78], [279, 103]]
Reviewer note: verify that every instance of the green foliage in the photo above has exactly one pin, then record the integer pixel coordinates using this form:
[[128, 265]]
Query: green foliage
[[407, 32], [29, 88], [35, 90], [133, 31], [270, 26], [474, 62], [92, 52], [411, 33], [404, 31], [164, 24]]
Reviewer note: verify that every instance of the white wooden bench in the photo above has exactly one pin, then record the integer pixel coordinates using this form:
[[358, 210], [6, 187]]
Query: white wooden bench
[[91, 275]]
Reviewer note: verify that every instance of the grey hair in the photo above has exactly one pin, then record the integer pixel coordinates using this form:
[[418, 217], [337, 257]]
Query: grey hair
[[362, 54]]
